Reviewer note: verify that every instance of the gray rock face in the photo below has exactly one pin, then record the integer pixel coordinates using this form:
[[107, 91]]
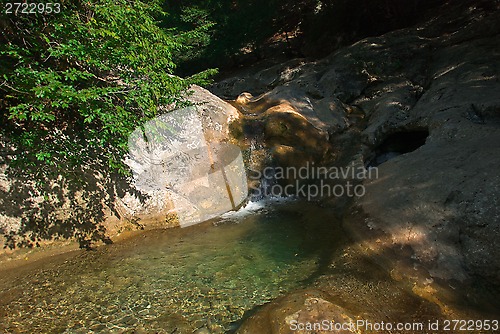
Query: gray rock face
[[442, 199]]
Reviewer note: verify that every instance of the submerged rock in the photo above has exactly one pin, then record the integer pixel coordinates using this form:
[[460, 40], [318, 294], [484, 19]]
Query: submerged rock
[[301, 312]]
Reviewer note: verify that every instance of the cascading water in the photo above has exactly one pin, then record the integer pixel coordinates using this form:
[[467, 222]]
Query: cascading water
[[261, 172]]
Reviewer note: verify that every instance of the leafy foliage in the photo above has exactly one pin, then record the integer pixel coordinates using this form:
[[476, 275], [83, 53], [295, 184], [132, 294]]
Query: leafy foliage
[[235, 25], [320, 26], [73, 86]]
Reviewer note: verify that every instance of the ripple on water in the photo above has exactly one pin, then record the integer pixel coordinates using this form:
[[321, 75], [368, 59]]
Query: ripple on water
[[202, 276]]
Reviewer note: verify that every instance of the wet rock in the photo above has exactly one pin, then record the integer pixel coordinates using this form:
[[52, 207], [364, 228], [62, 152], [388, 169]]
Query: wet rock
[[202, 330], [278, 134], [302, 312]]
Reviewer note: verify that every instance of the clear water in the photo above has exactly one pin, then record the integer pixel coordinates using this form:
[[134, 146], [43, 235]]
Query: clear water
[[172, 281]]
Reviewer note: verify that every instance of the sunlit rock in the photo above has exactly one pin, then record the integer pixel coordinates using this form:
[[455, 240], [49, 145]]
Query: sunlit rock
[[185, 163]]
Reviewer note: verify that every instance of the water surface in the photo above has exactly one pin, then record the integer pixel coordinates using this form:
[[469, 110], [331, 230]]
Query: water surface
[[166, 281]]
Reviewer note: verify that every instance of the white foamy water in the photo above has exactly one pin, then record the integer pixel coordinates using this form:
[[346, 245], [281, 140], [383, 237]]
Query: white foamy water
[[252, 207]]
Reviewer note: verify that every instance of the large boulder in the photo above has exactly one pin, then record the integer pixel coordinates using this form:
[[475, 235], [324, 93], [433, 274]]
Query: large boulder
[[203, 136], [304, 312]]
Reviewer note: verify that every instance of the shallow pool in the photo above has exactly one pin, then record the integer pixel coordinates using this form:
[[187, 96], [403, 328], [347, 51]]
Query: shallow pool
[[172, 281]]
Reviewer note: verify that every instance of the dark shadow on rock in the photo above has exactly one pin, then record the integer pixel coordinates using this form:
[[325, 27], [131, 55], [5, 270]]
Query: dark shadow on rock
[[53, 203], [398, 143]]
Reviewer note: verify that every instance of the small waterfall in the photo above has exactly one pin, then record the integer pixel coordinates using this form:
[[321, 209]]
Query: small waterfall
[[261, 172], [259, 159], [267, 185]]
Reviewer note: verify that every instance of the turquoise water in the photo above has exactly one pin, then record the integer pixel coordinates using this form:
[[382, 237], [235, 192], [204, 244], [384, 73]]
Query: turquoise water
[[171, 281]]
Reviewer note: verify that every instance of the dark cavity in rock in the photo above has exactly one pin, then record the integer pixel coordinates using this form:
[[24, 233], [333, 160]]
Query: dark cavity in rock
[[398, 143]]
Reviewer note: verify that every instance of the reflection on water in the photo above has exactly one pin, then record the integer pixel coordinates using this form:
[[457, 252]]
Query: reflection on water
[[204, 276]]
